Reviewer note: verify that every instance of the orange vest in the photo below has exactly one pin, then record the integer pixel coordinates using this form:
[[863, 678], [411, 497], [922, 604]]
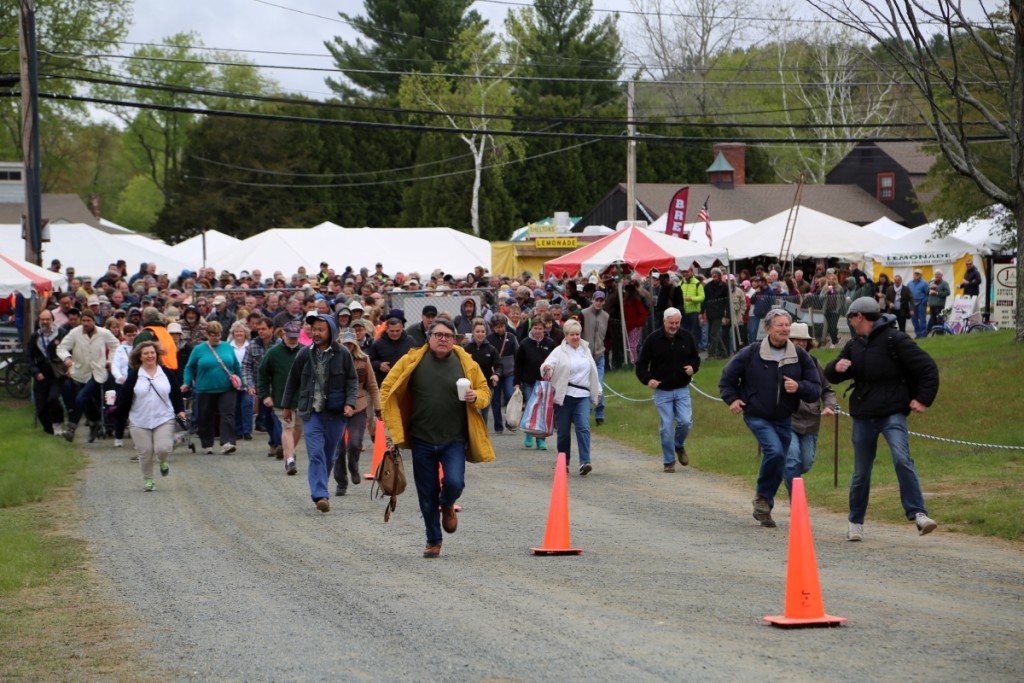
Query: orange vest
[[170, 358]]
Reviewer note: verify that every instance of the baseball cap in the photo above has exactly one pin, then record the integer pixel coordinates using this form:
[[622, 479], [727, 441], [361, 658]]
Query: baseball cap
[[293, 329], [395, 313], [174, 328], [348, 337], [355, 306], [218, 300], [600, 295], [864, 304], [429, 309]]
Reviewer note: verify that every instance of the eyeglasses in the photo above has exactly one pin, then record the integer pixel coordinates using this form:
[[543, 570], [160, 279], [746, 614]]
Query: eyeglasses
[[442, 336]]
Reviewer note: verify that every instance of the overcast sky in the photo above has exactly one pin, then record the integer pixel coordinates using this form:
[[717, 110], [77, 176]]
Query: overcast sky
[[299, 26]]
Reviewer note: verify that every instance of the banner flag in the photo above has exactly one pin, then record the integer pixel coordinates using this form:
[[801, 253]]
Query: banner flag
[[676, 223]]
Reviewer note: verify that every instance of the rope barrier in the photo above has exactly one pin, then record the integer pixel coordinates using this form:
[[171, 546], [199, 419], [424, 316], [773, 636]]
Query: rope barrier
[[959, 442]]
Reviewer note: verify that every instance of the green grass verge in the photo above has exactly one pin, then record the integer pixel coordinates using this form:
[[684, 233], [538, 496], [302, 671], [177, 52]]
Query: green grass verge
[[33, 466], [967, 488]]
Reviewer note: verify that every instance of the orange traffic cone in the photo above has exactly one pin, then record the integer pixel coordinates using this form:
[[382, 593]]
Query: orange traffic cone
[[804, 606], [556, 537], [379, 446]]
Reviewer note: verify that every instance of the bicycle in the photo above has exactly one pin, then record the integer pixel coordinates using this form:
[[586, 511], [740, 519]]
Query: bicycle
[[968, 326], [17, 373]]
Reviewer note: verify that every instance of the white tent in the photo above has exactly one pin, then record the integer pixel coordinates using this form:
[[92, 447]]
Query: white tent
[[920, 249], [90, 251], [399, 249], [217, 246], [816, 235], [887, 227], [986, 234], [698, 231]]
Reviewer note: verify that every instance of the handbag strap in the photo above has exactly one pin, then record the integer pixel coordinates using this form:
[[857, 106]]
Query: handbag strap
[[219, 360]]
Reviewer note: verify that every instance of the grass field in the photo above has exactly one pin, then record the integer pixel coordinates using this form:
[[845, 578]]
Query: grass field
[[967, 488]]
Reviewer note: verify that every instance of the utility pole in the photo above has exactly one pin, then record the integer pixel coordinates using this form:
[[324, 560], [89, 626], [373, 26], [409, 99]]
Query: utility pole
[[630, 151], [30, 134]]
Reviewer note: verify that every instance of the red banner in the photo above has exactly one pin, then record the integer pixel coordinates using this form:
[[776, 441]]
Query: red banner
[[675, 225]]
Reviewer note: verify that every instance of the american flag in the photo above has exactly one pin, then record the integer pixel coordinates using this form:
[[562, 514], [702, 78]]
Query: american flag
[[706, 217]]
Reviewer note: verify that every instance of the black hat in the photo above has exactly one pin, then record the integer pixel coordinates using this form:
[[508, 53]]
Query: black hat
[[429, 309], [395, 313]]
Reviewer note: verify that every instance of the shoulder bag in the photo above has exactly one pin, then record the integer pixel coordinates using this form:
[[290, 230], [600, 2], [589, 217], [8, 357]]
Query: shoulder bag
[[236, 381], [389, 478]]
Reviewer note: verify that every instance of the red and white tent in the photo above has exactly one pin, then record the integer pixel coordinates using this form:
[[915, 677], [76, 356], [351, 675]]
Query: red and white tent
[[637, 250], [18, 276]]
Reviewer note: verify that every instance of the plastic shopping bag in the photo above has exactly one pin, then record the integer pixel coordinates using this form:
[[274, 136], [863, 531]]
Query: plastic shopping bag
[[539, 414], [514, 409]]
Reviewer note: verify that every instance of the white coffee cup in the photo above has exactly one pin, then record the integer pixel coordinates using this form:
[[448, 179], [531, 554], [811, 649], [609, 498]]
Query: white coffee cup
[[462, 385], [110, 396]]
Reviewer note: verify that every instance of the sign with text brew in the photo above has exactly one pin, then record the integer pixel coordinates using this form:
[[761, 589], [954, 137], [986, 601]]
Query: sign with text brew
[[676, 223]]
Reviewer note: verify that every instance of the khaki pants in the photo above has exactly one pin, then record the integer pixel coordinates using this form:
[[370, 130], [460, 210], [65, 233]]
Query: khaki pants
[[150, 443]]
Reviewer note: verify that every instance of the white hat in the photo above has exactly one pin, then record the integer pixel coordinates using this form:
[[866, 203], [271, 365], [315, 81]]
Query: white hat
[[355, 306], [799, 331]]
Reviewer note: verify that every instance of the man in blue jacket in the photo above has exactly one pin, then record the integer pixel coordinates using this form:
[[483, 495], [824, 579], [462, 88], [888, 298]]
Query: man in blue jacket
[[322, 387], [766, 382]]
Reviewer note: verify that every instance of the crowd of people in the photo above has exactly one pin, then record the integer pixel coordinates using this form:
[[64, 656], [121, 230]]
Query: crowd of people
[[320, 356]]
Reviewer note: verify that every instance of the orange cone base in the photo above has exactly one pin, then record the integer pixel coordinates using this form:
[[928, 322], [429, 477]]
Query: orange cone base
[[788, 622], [550, 551]]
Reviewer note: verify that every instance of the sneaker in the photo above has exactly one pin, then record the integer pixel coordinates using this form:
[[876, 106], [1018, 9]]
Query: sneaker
[[227, 449], [208, 451], [542, 445], [323, 505], [599, 421], [94, 432], [246, 437], [58, 430], [855, 532], [527, 441], [134, 458], [69, 431], [670, 468], [925, 524], [290, 468], [165, 469], [150, 485], [339, 491], [272, 452], [585, 469], [118, 443], [279, 452], [682, 456], [355, 476]]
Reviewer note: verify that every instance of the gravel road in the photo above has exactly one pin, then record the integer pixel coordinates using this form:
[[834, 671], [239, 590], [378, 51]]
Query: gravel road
[[237, 578]]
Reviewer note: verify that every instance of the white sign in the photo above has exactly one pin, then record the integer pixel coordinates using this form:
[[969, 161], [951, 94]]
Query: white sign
[[922, 258], [1004, 295]]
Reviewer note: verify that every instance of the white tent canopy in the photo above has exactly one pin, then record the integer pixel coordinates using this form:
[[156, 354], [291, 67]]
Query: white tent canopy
[[986, 234], [398, 249], [887, 227], [816, 235], [698, 231], [217, 245], [90, 251], [21, 277], [920, 247]]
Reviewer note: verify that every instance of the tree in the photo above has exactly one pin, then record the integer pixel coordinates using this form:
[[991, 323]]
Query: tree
[[139, 204], [973, 74], [482, 89], [401, 36], [571, 57]]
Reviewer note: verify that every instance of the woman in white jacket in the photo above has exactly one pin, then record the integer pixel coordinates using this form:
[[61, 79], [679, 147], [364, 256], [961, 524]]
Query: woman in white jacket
[[573, 375]]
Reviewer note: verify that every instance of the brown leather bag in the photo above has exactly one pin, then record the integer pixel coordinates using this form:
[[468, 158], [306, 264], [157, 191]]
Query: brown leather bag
[[389, 479]]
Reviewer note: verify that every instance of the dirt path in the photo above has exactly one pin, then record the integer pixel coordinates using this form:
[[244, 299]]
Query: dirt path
[[238, 578]]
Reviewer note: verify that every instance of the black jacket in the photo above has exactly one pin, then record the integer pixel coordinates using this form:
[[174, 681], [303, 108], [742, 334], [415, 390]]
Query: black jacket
[[888, 370], [529, 357], [663, 357], [754, 376], [40, 362], [486, 356], [341, 377], [716, 299], [385, 350]]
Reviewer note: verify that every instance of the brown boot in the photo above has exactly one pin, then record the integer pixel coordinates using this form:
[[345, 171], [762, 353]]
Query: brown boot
[[449, 518], [432, 550]]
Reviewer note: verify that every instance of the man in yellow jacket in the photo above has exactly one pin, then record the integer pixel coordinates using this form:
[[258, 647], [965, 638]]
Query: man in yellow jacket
[[693, 302], [428, 409]]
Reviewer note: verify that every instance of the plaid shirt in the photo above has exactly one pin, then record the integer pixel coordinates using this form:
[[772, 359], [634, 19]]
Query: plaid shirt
[[253, 357]]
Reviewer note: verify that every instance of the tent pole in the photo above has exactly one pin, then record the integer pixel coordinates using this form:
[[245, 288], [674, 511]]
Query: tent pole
[[622, 316]]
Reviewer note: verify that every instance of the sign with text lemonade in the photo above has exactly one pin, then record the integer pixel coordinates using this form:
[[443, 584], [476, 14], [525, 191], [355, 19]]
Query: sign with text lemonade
[[555, 243]]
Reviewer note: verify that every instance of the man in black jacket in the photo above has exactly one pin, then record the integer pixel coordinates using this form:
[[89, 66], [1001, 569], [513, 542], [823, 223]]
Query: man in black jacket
[[48, 372], [716, 306], [391, 346], [668, 359], [322, 387], [971, 283], [891, 377]]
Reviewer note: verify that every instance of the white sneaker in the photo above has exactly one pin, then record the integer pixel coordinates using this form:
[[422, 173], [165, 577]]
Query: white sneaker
[[855, 532], [118, 443], [925, 524], [58, 431], [227, 449]]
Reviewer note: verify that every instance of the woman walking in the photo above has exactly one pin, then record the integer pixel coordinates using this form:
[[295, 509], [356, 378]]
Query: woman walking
[[368, 398], [211, 366], [238, 340], [533, 351], [151, 399], [507, 344], [574, 378]]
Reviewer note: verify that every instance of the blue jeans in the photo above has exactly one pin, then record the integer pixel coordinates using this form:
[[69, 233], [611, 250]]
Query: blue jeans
[[432, 492], [502, 393], [86, 400], [800, 457], [323, 437], [865, 446], [691, 323], [753, 327], [673, 405], [272, 425], [599, 408], [575, 411], [920, 320], [243, 413], [774, 437]]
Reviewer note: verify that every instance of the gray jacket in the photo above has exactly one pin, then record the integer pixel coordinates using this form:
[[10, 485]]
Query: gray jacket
[[807, 418], [341, 377]]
